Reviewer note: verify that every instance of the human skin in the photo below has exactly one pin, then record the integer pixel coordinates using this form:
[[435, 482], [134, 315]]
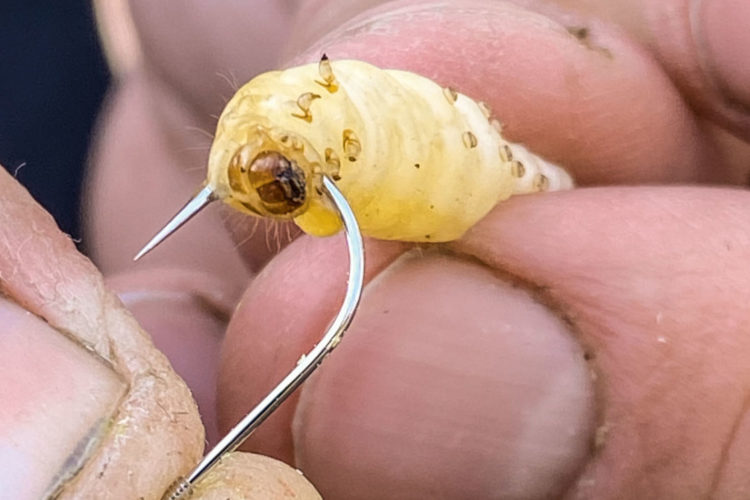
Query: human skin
[[90, 408], [469, 370]]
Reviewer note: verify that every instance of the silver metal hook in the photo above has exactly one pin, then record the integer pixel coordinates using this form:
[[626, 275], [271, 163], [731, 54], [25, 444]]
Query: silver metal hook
[[192, 207], [182, 489]]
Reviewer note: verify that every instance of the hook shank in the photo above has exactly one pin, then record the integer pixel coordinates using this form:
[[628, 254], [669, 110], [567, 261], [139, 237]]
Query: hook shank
[[309, 362]]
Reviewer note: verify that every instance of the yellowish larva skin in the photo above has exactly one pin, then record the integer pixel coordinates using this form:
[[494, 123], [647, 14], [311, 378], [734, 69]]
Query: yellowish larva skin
[[417, 162]]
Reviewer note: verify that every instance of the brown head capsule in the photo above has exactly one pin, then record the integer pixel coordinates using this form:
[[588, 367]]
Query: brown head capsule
[[273, 184]]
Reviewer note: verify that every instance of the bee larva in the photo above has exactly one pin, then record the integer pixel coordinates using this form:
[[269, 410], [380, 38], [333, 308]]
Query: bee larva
[[368, 128]]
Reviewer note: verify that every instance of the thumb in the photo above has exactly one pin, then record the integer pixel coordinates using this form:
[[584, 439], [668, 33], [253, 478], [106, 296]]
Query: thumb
[[89, 407]]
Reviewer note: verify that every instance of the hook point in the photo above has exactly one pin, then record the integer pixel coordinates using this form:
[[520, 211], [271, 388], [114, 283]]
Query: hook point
[[192, 207]]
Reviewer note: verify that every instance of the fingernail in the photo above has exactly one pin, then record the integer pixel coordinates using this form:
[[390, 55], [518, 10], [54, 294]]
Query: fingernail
[[451, 380], [57, 399], [185, 317], [726, 41]]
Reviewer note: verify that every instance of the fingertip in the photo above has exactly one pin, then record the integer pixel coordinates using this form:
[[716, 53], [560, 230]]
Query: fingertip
[[702, 45], [153, 433], [452, 381], [655, 278], [46, 418], [185, 313], [248, 476]]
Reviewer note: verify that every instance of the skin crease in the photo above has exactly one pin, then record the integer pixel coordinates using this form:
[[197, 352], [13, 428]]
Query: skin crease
[[653, 279]]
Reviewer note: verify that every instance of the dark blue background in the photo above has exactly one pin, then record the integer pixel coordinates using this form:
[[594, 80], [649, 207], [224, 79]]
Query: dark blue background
[[52, 81]]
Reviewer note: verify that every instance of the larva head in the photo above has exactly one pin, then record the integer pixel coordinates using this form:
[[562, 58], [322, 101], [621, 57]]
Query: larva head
[[267, 184], [270, 173], [257, 167]]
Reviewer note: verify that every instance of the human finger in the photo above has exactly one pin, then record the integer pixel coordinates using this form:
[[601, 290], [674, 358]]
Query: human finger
[[442, 367], [245, 476], [144, 165], [186, 313], [658, 297], [184, 293], [91, 409], [154, 132], [191, 46], [432, 358], [703, 45], [597, 104]]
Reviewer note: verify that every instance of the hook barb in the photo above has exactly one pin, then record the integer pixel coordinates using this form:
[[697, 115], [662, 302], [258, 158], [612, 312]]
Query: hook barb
[[192, 207]]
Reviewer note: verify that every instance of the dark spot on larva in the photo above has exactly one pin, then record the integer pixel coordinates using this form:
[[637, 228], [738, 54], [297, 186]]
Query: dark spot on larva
[[427, 236], [279, 183], [318, 191], [326, 73], [485, 110], [583, 35], [470, 140], [505, 153], [588, 356], [332, 161], [304, 101], [517, 169], [541, 182], [351, 145], [432, 207], [416, 165], [450, 94], [336, 177]]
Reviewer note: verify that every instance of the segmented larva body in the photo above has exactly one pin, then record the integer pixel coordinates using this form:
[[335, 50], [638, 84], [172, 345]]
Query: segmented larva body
[[416, 161]]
